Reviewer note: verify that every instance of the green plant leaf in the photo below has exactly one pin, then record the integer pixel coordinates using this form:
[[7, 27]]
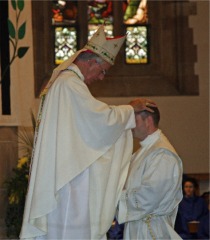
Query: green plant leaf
[[13, 4], [21, 31], [11, 29], [22, 51], [20, 4], [33, 120], [26, 137]]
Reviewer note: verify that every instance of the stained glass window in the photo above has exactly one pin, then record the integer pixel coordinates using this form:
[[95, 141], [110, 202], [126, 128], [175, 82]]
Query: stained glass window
[[162, 72], [100, 12], [134, 18], [93, 28], [136, 45], [65, 43], [64, 12], [64, 17], [135, 12]]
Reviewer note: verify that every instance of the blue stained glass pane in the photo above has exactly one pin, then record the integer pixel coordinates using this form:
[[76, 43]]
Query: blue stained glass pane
[[136, 45], [65, 43]]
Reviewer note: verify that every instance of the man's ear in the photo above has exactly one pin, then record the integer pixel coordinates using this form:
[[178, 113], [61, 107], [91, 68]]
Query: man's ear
[[150, 120]]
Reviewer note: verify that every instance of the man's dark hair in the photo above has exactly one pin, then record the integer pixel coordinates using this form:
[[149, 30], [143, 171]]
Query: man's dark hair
[[155, 115]]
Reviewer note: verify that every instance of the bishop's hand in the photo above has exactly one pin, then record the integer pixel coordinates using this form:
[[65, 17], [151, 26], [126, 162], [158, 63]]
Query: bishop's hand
[[142, 104]]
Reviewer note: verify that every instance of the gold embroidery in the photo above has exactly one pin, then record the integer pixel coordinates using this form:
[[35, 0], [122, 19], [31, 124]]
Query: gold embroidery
[[147, 220]]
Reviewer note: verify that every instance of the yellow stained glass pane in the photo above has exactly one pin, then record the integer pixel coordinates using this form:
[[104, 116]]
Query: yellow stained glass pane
[[136, 45], [65, 43]]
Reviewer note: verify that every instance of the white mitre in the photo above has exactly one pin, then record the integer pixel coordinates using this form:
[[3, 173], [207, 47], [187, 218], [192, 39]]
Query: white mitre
[[106, 48]]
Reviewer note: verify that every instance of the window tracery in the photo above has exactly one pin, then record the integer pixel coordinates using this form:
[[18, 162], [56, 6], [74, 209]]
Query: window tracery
[[135, 19]]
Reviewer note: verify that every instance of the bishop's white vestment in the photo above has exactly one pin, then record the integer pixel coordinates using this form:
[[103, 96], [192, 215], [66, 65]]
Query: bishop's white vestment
[[149, 202], [80, 161]]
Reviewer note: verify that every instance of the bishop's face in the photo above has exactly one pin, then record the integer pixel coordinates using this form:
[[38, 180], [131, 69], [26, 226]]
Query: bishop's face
[[96, 71]]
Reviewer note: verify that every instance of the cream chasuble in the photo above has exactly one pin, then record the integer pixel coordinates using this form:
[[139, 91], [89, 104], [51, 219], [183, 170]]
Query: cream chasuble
[[81, 142]]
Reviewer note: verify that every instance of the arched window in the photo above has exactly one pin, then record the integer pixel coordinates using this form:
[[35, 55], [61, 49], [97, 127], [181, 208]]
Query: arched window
[[158, 55], [134, 18]]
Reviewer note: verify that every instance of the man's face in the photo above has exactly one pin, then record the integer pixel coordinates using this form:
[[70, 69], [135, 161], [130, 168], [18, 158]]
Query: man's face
[[140, 131], [96, 71]]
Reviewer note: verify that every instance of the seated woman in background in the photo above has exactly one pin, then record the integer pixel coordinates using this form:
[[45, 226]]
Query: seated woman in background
[[191, 209]]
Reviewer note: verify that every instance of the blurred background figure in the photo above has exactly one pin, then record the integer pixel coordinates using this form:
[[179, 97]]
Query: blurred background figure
[[115, 231], [203, 229], [206, 197], [192, 210]]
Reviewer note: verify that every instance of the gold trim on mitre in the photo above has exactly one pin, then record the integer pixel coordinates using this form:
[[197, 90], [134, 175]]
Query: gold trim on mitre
[[106, 48]]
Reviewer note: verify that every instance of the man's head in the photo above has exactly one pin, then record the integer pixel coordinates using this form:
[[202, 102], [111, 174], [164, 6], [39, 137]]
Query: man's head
[[146, 123], [92, 66], [99, 56]]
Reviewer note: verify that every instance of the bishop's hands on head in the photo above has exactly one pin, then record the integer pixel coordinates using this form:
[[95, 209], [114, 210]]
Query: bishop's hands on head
[[142, 104]]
